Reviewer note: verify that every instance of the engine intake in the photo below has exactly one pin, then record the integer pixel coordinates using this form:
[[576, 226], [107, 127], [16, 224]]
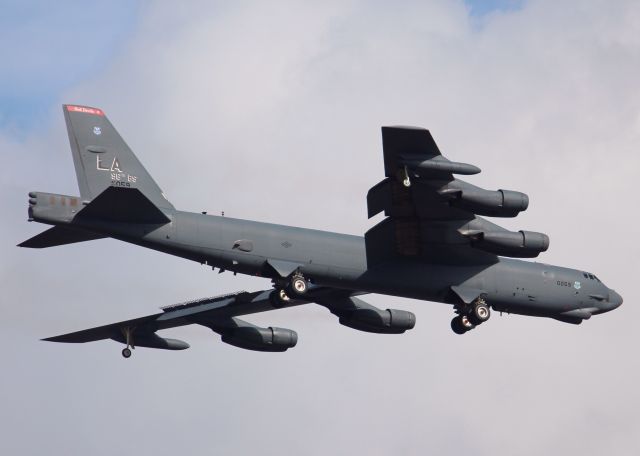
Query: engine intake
[[518, 244]]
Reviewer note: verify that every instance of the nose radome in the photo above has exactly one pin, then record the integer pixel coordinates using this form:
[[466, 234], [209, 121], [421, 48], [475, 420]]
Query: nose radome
[[614, 298]]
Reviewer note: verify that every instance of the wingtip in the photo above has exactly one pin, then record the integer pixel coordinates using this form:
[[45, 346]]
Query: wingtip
[[53, 339]]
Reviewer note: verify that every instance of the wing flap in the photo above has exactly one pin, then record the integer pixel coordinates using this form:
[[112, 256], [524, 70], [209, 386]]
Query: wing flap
[[379, 197]]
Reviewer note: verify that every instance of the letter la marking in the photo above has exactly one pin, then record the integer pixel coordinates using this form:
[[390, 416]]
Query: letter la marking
[[99, 164], [115, 165]]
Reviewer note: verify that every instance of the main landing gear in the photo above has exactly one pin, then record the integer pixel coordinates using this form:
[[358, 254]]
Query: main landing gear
[[470, 316], [298, 285], [285, 290]]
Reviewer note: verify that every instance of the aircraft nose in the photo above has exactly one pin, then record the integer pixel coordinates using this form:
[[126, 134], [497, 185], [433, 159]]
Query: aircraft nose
[[614, 299]]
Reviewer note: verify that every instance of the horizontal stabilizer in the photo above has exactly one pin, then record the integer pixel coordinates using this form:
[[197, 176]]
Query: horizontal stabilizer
[[59, 235], [120, 204]]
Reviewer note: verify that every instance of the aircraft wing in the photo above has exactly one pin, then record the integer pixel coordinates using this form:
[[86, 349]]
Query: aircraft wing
[[220, 315], [214, 312], [434, 216]]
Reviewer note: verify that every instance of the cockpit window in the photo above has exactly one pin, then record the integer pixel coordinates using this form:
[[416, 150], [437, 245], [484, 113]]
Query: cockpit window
[[591, 276], [585, 275]]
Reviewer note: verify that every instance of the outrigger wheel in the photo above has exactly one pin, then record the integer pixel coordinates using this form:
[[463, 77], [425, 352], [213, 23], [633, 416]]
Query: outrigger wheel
[[127, 332]]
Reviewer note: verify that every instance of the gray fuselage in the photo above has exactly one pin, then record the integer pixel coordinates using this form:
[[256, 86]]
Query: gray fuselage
[[339, 260]]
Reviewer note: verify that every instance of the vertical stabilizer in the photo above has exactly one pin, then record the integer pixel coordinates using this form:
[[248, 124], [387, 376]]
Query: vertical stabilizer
[[102, 159]]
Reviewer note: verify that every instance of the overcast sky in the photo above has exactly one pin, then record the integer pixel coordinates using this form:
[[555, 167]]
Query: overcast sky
[[271, 111]]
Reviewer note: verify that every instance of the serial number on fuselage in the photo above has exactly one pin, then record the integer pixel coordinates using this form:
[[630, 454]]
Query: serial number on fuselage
[[120, 184]]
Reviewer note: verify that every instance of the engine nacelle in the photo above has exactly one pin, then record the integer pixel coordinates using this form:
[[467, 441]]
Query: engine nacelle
[[261, 339], [499, 203], [518, 244], [389, 321]]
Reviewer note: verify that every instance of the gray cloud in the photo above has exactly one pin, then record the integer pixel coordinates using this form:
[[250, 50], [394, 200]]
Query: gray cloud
[[272, 112]]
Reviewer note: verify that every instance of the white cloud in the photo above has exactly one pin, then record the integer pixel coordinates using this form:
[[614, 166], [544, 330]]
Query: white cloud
[[272, 112]]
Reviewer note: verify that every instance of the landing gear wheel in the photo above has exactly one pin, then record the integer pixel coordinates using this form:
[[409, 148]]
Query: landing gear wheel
[[466, 323], [461, 324], [406, 180], [279, 298], [298, 285], [479, 313], [126, 352], [457, 327]]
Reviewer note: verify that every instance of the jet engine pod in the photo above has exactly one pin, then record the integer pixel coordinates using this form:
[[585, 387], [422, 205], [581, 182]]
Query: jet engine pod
[[261, 339], [499, 203], [389, 321], [437, 165], [518, 244]]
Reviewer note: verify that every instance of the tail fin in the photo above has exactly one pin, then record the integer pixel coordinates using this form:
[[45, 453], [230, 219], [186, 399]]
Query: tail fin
[[102, 159]]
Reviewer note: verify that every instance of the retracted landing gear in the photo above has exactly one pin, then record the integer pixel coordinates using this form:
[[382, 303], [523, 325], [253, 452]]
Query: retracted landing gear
[[470, 316], [127, 332]]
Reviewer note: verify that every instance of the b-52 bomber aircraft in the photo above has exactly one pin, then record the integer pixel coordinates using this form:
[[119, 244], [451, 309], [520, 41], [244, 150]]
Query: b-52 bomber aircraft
[[432, 245]]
